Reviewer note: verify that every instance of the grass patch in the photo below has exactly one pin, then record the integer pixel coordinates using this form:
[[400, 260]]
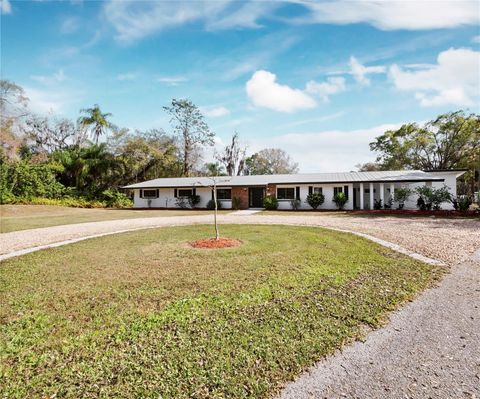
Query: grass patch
[[22, 217], [143, 315]]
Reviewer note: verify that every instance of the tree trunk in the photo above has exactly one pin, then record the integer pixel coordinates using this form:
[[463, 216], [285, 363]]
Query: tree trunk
[[186, 159], [217, 233]]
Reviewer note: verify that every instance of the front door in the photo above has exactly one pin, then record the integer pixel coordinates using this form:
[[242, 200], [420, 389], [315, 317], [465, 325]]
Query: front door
[[255, 197]]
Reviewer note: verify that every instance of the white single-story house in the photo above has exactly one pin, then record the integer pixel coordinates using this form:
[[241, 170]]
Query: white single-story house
[[361, 188]]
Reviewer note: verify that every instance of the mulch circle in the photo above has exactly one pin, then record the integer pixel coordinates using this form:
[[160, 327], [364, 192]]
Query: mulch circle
[[212, 243]]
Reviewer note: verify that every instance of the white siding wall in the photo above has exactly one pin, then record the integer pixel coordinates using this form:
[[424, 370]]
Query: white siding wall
[[412, 201], [166, 199], [327, 190], [450, 182]]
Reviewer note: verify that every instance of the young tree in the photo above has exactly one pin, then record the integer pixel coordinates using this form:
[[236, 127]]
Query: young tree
[[213, 186], [190, 128], [95, 120], [233, 157], [270, 161]]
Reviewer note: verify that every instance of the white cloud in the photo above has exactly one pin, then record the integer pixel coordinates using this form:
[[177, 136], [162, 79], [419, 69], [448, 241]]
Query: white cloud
[[394, 14], [172, 80], [360, 71], [126, 76], [313, 120], [331, 86], [264, 91], [56, 77], [244, 17], [133, 21], [319, 151], [46, 101], [69, 25], [454, 80], [215, 112], [5, 7], [476, 39]]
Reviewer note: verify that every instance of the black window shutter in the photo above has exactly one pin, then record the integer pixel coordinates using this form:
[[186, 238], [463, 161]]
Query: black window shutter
[[212, 195], [175, 193], [141, 193], [297, 192], [158, 192], [310, 189], [345, 190], [194, 192]]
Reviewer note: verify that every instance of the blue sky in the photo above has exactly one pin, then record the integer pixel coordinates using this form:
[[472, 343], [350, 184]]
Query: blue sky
[[319, 79]]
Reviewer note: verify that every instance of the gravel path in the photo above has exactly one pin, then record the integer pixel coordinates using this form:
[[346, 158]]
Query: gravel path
[[448, 240], [429, 349], [18, 240]]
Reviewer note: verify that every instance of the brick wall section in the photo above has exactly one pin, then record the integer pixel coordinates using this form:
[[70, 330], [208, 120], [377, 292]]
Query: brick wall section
[[242, 193], [271, 190]]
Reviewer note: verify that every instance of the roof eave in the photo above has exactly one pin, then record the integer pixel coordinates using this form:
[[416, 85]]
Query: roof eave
[[132, 187]]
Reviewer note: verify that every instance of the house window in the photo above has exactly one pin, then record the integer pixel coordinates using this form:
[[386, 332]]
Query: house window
[[337, 190], [150, 193], [224, 194], [317, 190], [185, 192], [286, 193]]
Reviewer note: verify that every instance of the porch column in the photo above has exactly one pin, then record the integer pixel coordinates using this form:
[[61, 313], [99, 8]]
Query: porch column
[[392, 191], [371, 196], [362, 193], [382, 193]]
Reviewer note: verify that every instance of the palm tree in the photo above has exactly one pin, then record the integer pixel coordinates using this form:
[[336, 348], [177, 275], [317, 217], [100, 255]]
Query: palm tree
[[88, 169], [95, 119]]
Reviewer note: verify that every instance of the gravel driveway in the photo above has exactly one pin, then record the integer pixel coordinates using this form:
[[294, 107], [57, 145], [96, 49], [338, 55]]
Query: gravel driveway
[[448, 240], [430, 348]]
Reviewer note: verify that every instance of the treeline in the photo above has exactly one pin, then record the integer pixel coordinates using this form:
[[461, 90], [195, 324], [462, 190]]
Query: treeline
[[47, 159], [451, 141], [85, 162]]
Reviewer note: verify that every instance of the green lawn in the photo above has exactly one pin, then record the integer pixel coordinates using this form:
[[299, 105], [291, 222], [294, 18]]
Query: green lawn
[[22, 217], [142, 314]]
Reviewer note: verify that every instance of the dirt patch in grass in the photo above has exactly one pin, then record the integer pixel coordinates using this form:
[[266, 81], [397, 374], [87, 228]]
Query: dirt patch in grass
[[212, 243]]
